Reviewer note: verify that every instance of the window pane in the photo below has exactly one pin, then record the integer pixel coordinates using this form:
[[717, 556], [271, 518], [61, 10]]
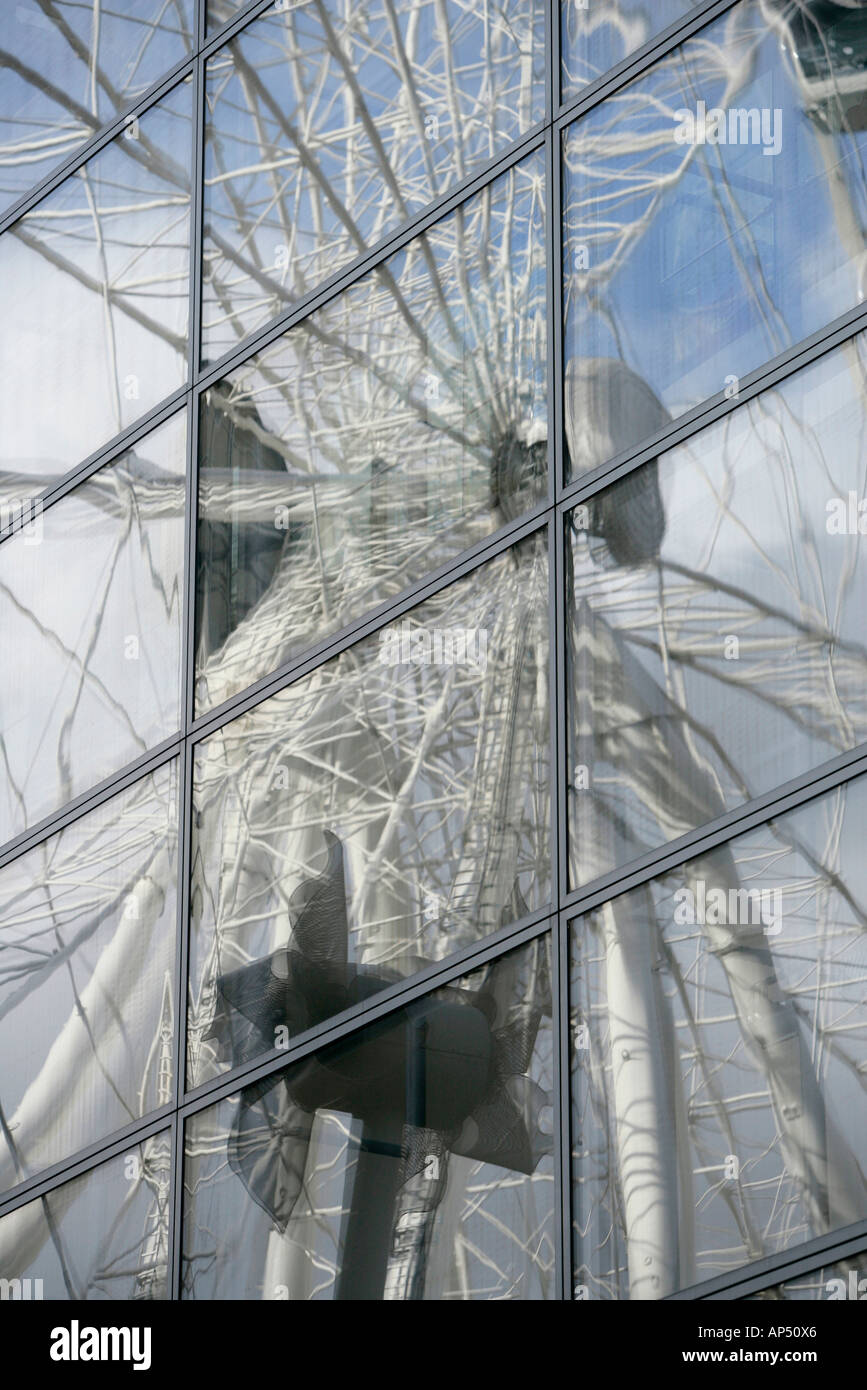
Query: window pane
[[719, 1054], [328, 126], [401, 423], [103, 1235], [373, 817], [841, 1282], [595, 37], [90, 611], [95, 284], [716, 638], [68, 68], [87, 966], [714, 213], [219, 12], [409, 1161]]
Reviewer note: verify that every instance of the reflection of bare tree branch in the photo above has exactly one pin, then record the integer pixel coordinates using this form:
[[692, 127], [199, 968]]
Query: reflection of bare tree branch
[[117, 298]]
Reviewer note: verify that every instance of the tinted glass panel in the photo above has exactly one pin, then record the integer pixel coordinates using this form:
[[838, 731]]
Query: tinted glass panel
[[719, 1053], [87, 963], [714, 214], [717, 644], [219, 12], [374, 816], [596, 37], [329, 125], [69, 66], [101, 1236], [399, 424], [843, 1282], [95, 292], [90, 611], [410, 1161]]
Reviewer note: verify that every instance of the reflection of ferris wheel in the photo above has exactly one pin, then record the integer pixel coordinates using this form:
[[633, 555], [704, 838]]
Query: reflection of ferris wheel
[[659, 766], [602, 398], [827, 46], [433, 371]]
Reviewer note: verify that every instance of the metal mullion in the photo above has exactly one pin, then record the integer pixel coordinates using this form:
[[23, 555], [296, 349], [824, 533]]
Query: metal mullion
[[552, 86], [192, 478], [563, 771], [105, 454], [807, 1257], [562, 1128], [779, 369], [102, 137], [761, 810], [560, 971], [175, 1233], [556, 312], [560, 1109], [85, 1159], [559, 1221], [553, 72], [312, 657], [175, 1254], [197, 219], [372, 257], [356, 1019], [559, 1014], [89, 800], [556, 713], [564, 1097], [181, 996], [634, 65]]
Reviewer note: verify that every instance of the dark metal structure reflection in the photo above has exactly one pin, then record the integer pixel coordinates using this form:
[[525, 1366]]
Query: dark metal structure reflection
[[622, 716], [235, 563], [609, 409], [446, 1075], [826, 43]]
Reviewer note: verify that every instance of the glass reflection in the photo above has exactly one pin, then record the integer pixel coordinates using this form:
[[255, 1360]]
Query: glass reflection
[[719, 1055], [595, 38], [95, 292], [327, 127], [716, 631], [713, 216], [87, 964], [373, 817], [845, 1281], [90, 611], [67, 67], [396, 426], [410, 1161], [103, 1235], [219, 12]]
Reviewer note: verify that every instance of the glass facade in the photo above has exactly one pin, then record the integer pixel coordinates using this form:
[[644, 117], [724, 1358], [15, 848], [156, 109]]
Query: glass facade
[[348, 1173], [433, 743]]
